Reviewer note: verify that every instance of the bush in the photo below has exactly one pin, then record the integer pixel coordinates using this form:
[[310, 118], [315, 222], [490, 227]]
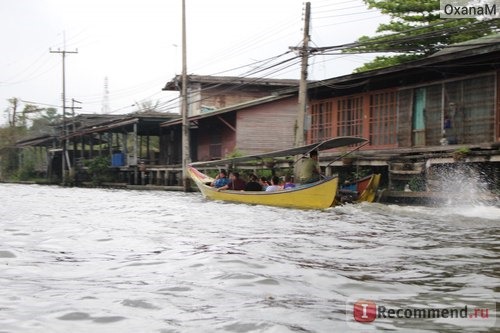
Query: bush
[[98, 169], [26, 172]]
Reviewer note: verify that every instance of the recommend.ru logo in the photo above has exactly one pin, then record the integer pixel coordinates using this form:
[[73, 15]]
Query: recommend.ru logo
[[366, 311]]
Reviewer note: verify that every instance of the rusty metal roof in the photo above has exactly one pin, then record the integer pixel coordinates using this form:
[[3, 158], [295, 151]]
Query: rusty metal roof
[[176, 82]]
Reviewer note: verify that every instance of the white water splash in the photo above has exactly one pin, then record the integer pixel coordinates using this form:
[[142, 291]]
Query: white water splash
[[466, 185]]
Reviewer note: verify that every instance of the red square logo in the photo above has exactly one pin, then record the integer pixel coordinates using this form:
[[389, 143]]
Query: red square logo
[[364, 311]]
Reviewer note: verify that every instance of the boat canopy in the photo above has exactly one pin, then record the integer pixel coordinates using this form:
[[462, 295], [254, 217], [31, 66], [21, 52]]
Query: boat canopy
[[341, 141]]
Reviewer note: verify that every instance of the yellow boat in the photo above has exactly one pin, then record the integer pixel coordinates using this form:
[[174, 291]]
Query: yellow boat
[[369, 193], [361, 190], [319, 195]]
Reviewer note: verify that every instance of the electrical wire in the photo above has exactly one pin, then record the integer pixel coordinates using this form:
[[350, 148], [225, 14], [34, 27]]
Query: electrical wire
[[274, 65], [382, 39]]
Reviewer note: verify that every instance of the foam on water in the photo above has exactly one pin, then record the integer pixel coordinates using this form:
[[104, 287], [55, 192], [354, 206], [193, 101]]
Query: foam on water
[[479, 211]]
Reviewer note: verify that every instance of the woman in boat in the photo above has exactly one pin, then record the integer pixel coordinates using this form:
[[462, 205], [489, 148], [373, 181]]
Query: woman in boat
[[220, 180], [253, 184], [235, 183], [264, 183], [275, 185], [288, 182]]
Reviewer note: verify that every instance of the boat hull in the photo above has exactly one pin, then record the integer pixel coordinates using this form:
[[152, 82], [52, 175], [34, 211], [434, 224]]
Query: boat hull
[[319, 195], [362, 190], [369, 192]]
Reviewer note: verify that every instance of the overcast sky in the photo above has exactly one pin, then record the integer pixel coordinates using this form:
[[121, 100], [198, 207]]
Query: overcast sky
[[136, 45]]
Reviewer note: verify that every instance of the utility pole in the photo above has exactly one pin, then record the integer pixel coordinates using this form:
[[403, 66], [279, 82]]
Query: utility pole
[[302, 103], [186, 159], [73, 107], [304, 52], [64, 141]]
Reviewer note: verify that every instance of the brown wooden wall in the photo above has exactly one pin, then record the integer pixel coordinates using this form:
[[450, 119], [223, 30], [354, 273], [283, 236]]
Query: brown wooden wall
[[405, 106], [223, 96], [170, 151], [466, 108], [214, 138], [267, 128], [497, 120]]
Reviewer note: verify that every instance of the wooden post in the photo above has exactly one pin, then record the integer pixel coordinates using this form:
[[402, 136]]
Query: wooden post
[[75, 148], [91, 149], [124, 145], [140, 146], [82, 152], [148, 152], [100, 144], [110, 143], [136, 158]]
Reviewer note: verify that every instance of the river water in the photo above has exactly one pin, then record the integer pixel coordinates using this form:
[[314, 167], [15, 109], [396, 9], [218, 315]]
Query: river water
[[97, 260]]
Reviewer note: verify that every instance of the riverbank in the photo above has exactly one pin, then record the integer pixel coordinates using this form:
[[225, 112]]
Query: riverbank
[[113, 185]]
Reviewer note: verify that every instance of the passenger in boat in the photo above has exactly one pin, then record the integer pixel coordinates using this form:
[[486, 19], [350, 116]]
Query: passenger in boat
[[275, 185], [288, 182], [253, 184], [263, 182], [220, 180], [235, 183], [311, 171]]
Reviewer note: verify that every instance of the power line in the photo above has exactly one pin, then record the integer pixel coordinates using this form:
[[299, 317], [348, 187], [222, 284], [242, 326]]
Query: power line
[[384, 39], [38, 103]]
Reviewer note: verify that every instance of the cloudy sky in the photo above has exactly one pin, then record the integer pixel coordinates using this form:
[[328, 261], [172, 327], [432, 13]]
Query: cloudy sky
[[136, 45]]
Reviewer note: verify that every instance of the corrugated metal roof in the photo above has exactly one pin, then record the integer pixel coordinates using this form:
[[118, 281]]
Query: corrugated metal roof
[[175, 83], [42, 140], [468, 45], [484, 45]]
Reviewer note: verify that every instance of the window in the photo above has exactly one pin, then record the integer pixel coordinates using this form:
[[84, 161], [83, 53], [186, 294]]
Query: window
[[461, 111], [478, 107], [350, 116], [215, 149], [383, 119], [321, 121]]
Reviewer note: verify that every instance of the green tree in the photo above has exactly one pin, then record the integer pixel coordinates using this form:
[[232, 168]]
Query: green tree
[[414, 31], [12, 111], [98, 169], [46, 120], [8, 152], [42, 121], [9, 161]]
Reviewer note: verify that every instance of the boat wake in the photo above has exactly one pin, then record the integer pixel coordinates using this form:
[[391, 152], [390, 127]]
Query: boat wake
[[459, 213], [475, 211]]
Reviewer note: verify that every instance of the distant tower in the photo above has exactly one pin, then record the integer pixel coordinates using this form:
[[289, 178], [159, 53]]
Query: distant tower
[[105, 109]]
